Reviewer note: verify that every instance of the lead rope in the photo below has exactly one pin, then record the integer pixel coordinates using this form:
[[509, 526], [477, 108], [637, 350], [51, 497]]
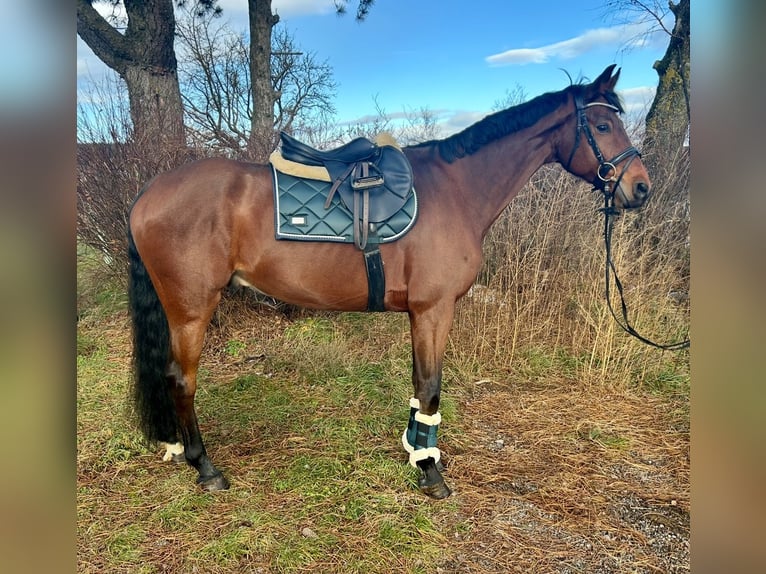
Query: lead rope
[[610, 215]]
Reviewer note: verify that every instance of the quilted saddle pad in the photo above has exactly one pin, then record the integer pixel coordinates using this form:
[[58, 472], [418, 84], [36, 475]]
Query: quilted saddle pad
[[300, 213]]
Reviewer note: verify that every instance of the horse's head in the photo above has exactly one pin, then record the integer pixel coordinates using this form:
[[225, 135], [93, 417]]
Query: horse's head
[[594, 145]]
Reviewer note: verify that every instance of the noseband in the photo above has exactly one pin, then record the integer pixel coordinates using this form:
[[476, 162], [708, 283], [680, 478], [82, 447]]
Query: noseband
[[607, 170]]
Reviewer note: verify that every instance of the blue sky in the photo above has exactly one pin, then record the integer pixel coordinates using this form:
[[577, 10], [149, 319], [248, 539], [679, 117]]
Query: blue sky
[[457, 58]]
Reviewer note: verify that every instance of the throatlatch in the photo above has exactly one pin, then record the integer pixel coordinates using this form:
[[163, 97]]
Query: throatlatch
[[420, 437]]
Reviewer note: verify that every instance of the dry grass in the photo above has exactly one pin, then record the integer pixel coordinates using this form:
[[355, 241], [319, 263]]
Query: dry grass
[[562, 478], [542, 285], [550, 473], [566, 441]]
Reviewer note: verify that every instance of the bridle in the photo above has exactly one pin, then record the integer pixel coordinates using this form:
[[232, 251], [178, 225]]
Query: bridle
[[607, 182], [607, 170]]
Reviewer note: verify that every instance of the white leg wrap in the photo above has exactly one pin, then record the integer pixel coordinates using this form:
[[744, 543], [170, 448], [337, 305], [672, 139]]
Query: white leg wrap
[[171, 450], [421, 453], [417, 455], [432, 420]]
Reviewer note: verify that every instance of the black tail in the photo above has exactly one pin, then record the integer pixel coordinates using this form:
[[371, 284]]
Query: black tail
[[152, 400]]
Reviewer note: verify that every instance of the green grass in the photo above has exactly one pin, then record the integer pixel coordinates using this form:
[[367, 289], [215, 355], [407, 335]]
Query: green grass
[[234, 348], [310, 442], [607, 439], [182, 511], [124, 545], [100, 287], [669, 380]]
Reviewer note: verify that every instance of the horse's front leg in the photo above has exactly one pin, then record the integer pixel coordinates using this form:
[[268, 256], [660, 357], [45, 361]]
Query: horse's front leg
[[430, 328]]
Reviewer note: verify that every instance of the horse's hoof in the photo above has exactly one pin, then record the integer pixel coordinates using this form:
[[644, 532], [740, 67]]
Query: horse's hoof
[[438, 490], [213, 483]]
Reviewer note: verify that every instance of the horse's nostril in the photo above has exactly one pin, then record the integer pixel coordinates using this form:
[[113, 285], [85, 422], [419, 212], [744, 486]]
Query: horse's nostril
[[642, 189]]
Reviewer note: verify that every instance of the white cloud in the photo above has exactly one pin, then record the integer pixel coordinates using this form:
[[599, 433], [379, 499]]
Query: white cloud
[[459, 120], [519, 56], [640, 94], [233, 9], [301, 7], [632, 35], [282, 7], [637, 100]]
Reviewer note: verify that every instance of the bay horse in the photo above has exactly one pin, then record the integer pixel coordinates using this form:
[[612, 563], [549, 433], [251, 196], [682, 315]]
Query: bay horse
[[196, 229]]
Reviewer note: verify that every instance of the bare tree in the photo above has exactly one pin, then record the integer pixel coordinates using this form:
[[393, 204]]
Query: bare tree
[[304, 87], [263, 138], [513, 97], [215, 74], [408, 127], [668, 118], [140, 49]]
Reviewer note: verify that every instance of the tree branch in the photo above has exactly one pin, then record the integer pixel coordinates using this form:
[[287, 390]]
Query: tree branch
[[654, 14], [108, 44]]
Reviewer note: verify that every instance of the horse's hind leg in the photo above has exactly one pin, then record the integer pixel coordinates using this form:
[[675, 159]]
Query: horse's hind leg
[[186, 341]]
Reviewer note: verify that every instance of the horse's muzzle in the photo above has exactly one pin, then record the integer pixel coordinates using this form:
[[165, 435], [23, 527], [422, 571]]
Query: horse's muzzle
[[635, 198]]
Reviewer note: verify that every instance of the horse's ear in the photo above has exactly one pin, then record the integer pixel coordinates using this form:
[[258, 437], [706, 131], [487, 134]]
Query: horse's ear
[[606, 81]]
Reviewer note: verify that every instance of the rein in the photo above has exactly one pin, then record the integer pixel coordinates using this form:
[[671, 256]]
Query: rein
[[605, 183], [610, 214]]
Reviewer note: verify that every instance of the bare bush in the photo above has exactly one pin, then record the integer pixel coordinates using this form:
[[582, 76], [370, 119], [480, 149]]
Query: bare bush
[[408, 127], [112, 168], [542, 284]]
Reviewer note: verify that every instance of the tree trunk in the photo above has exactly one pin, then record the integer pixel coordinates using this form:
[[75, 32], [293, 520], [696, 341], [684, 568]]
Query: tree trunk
[[155, 108], [263, 140], [145, 58], [668, 118]]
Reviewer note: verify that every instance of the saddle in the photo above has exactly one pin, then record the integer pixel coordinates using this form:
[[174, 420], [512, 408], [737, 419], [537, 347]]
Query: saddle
[[373, 180]]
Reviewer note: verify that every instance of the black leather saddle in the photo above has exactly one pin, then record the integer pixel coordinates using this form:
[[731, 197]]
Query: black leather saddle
[[356, 150], [374, 181]]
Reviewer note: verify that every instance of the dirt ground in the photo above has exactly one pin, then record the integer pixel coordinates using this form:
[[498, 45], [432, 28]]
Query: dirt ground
[[569, 480], [565, 477]]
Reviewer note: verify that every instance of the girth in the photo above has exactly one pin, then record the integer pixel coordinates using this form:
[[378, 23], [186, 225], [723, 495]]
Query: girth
[[373, 181]]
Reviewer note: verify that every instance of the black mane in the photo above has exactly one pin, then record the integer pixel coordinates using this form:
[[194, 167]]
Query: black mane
[[510, 120]]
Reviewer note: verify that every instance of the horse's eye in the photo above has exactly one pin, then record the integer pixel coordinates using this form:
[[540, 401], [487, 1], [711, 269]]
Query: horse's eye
[[603, 128]]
